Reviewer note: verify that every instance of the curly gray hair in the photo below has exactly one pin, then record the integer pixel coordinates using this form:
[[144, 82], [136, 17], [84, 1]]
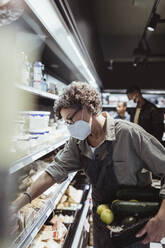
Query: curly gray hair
[[76, 95]]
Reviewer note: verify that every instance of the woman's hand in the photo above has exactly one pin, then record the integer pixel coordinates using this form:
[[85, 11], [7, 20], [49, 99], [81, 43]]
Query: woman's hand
[[154, 229]]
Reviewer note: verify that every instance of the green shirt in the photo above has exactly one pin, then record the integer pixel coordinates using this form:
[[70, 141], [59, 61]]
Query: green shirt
[[136, 153]]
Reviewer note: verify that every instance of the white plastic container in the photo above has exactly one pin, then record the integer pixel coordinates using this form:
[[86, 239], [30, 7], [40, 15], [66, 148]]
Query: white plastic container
[[37, 121], [37, 75]]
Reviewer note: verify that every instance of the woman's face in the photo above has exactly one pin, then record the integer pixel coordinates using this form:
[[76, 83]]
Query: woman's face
[[71, 115], [78, 125]]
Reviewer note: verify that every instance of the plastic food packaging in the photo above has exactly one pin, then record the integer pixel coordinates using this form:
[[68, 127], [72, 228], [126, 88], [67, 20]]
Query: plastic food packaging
[[36, 121]]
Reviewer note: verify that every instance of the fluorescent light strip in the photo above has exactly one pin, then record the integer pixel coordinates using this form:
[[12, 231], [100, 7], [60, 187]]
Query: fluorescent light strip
[[92, 79], [76, 50], [90, 74]]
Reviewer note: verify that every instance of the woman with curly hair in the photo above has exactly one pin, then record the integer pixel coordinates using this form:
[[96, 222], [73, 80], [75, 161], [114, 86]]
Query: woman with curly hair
[[113, 154]]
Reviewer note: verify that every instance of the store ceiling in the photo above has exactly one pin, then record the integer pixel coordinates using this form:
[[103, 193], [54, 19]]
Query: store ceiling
[[120, 25], [110, 30]]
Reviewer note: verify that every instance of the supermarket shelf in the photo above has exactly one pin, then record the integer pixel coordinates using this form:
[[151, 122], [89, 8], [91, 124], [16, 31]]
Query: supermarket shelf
[[114, 106], [81, 224], [160, 106], [27, 237], [37, 92], [143, 91], [19, 164]]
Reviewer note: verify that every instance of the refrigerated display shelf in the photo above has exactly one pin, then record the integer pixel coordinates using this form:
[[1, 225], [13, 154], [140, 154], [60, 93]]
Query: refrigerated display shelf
[[37, 92], [109, 105], [114, 106], [77, 238], [19, 164], [28, 235]]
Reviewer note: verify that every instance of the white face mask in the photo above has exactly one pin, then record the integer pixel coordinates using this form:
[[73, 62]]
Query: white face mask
[[132, 104], [79, 130]]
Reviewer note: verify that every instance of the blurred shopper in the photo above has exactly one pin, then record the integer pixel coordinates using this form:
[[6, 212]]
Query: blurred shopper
[[111, 152], [146, 114], [121, 111]]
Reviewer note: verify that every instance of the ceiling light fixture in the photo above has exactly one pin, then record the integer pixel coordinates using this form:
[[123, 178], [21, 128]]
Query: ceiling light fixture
[[143, 51], [155, 18]]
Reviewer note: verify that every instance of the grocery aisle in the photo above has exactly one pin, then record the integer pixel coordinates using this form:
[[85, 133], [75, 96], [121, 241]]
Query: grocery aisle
[[42, 51]]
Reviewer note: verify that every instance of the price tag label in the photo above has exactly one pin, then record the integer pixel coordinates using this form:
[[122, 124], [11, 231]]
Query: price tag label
[[16, 167], [20, 165], [34, 233], [54, 147], [86, 225], [38, 155], [48, 212], [35, 157], [42, 153], [50, 150]]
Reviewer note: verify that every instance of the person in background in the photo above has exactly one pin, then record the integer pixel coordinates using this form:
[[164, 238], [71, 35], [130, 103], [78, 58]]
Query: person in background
[[146, 114], [111, 152], [121, 111]]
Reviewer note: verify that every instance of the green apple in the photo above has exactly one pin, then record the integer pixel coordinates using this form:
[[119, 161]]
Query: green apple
[[101, 207], [107, 216]]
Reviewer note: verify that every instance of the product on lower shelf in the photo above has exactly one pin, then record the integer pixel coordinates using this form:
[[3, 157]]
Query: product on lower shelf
[[54, 233], [71, 198], [64, 218], [91, 231], [45, 239], [55, 230]]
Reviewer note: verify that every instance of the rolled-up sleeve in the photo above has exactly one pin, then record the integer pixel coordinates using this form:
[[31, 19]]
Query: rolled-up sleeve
[[65, 162]]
